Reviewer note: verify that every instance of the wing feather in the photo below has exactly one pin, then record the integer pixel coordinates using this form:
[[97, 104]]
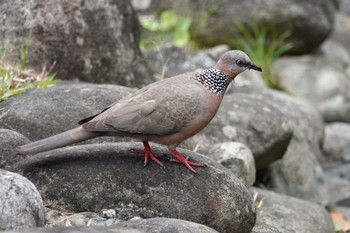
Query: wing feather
[[161, 108]]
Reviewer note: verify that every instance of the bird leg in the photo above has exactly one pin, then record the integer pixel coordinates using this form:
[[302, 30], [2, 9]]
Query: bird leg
[[149, 154], [184, 160]]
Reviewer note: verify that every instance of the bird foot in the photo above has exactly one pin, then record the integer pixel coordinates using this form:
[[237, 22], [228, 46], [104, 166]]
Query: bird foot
[[185, 160], [149, 154]]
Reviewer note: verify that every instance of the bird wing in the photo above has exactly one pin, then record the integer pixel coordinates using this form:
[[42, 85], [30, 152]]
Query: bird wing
[[151, 111]]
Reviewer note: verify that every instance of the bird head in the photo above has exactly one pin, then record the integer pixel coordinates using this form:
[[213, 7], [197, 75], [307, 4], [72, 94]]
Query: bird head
[[235, 62]]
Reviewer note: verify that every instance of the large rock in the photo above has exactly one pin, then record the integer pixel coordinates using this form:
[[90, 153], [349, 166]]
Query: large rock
[[249, 120], [154, 225], [8, 140], [292, 14], [91, 41], [43, 112], [320, 78], [21, 205], [299, 172], [291, 214], [96, 177]]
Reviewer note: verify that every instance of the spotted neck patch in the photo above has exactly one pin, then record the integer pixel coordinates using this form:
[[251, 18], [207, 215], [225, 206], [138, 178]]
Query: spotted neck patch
[[214, 80]]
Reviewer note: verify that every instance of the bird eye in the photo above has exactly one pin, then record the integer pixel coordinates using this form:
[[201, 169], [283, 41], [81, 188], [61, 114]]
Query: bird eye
[[239, 62]]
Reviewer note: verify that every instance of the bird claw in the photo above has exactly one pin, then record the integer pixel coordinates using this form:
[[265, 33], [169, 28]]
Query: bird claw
[[149, 154], [185, 160], [179, 157], [189, 162]]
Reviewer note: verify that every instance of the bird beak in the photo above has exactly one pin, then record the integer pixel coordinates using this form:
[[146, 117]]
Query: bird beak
[[254, 67]]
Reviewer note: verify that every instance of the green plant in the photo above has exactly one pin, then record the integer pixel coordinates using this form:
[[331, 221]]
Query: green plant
[[17, 79], [263, 45], [168, 28]]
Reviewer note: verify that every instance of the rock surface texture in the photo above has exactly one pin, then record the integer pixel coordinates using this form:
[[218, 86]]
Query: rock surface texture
[[95, 177], [292, 215], [44, 112], [8, 141], [290, 176], [21, 205], [321, 78], [237, 157], [91, 41]]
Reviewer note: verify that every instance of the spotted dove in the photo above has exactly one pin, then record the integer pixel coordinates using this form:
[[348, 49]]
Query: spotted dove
[[166, 112]]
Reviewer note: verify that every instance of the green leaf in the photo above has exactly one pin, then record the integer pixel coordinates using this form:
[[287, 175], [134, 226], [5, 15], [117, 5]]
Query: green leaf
[[181, 38], [184, 24], [167, 20], [150, 24], [46, 83], [17, 91]]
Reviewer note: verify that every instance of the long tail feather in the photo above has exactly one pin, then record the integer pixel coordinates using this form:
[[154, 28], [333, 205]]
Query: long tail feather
[[63, 139]]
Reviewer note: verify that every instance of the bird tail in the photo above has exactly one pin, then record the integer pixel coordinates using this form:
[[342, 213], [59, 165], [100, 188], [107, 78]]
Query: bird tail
[[63, 139]]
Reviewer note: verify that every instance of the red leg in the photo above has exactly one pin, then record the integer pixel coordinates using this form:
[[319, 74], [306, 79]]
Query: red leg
[[181, 159], [149, 154]]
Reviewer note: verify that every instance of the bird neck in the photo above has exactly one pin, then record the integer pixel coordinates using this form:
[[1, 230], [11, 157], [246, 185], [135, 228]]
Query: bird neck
[[214, 80]]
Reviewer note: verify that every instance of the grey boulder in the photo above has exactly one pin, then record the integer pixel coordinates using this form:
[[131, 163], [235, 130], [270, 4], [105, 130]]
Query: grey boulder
[[320, 78], [299, 173], [96, 177], [43, 112], [238, 158], [21, 205], [90, 41]]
